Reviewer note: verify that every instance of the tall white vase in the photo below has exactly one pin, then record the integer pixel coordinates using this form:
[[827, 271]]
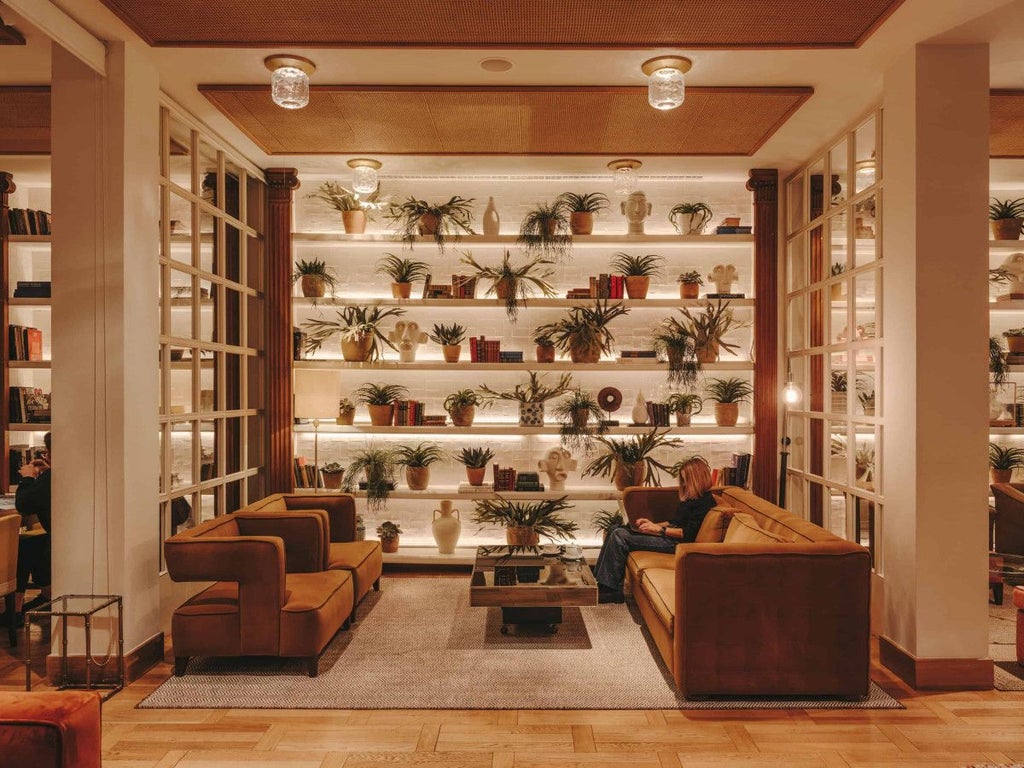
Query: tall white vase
[[492, 221], [447, 527]]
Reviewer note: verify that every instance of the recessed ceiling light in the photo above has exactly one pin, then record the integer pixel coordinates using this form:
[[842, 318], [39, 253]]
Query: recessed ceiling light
[[495, 64]]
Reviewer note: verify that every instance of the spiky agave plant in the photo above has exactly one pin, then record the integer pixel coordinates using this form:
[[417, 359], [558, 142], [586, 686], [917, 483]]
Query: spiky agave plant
[[632, 450], [354, 323], [474, 457], [542, 516]]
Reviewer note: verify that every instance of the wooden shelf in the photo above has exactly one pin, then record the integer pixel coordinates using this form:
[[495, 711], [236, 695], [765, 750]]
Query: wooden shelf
[[539, 303], [584, 493], [561, 365], [385, 238], [28, 427], [19, 302], [511, 428], [30, 239], [29, 364], [1005, 244]]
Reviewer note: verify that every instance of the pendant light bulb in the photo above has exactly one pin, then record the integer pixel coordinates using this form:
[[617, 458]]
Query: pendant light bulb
[[289, 80], [364, 175], [624, 177], [666, 81]]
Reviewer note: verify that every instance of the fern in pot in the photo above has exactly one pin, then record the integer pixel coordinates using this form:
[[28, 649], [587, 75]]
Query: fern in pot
[[442, 221], [417, 460], [514, 285], [526, 521], [580, 418], [380, 401], [582, 207], [355, 208], [315, 278], [630, 461], [450, 338], [637, 271], [684, 405], [708, 329], [475, 460], [377, 468], [727, 395], [362, 339], [531, 398], [584, 333], [545, 232], [461, 406], [403, 273]]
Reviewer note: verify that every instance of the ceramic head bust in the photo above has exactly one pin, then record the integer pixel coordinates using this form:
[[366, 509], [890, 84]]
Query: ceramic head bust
[[635, 208], [723, 276]]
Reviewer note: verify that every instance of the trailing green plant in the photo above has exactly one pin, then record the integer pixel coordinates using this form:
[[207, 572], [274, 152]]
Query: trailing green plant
[[637, 266], [341, 198], [422, 455], [607, 520], [635, 449], [535, 390], [389, 530], [692, 276], [674, 339], [447, 335], [584, 330], [354, 323], [584, 202], [377, 466], [545, 231], [997, 365], [380, 394], [402, 270], [580, 418], [685, 402], [686, 209], [454, 218], [542, 516], [517, 283], [475, 458], [710, 326], [461, 399], [731, 390], [316, 268], [1006, 209], [1003, 457]]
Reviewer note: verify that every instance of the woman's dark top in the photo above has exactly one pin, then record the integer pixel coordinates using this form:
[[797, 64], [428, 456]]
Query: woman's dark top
[[33, 498], [690, 514]]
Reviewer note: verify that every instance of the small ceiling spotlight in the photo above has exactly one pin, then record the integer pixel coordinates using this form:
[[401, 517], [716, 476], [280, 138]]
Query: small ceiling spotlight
[[364, 175], [666, 84], [289, 83], [624, 179]]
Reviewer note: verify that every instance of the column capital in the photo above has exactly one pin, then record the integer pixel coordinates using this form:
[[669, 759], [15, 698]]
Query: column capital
[[282, 181], [764, 183]]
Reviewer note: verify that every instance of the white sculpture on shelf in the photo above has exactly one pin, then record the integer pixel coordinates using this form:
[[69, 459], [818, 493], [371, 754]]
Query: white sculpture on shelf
[[557, 464], [407, 337], [635, 208], [639, 413], [1013, 266], [723, 276]]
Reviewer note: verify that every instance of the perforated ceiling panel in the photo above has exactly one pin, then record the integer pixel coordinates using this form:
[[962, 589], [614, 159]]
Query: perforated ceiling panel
[[518, 121], [507, 24], [1006, 125], [25, 128]]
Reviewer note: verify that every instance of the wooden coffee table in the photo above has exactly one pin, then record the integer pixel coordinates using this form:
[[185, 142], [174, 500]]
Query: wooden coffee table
[[528, 586]]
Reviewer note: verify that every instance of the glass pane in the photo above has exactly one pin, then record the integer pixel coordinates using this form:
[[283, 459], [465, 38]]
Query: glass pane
[[796, 263], [233, 179], [840, 176], [209, 506], [795, 191], [866, 293], [814, 394], [256, 398], [798, 442], [865, 225], [180, 213], [182, 516], [181, 381], [797, 322], [838, 454], [181, 456], [209, 465], [207, 172], [816, 176], [817, 267], [207, 316], [180, 137], [255, 440], [866, 168], [864, 461], [232, 378], [867, 378], [232, 262], [232, 445], [232, 316], [207, 243], [255, 204], [839, 385]]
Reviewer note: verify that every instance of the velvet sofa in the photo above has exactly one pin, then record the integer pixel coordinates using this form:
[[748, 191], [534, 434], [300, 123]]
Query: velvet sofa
[[1009, 518], [787, 613], [50, 729], [273, 595]]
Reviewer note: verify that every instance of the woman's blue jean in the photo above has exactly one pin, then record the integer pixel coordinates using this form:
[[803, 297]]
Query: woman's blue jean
[[610, 570]]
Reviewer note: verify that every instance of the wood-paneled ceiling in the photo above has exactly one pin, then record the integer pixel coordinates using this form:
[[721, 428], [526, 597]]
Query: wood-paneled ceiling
[[1006, 139], [504, 24], [25, 128], [514, 120]]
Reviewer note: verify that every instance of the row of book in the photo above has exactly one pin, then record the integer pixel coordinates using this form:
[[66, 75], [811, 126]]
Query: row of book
[[32, 289], [28, 405], [26, 221], [746, 229], [24, 343], [738, 474], [461, 287], [604, 286], [504, 478], [657, 414], [410, 413], [19, 455], [484, 350], [306, 475]]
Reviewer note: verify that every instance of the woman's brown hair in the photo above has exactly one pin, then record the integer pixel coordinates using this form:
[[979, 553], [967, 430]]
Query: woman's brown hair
[[694, 478]]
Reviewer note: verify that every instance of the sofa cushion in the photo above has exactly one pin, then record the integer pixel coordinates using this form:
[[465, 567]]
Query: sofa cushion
[[659, 584], [363, 559], [221, 598], [209, 623], [716, 522], [639, 561], [744, 530], [315, 607]]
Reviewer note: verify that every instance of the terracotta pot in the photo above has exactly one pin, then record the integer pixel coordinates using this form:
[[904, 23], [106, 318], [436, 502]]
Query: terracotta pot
[[836, 291], [522, 537], [502, 289], [332, 480], [581, 223], [417, 478], [462, 416], [637, 286], [545, 354], [313, 287], [1001, 475], [381, 415], [428, 224], [346, 418], [401, 290], [580, 417], [627, 475], [708, 354], [683, 418], [1006, 229], [354, 221], [584, 355], [727, 414], [475, 475], [550, 228], [357, 350], [389, 545], [1015, 343], [689, 290], [451, 352]]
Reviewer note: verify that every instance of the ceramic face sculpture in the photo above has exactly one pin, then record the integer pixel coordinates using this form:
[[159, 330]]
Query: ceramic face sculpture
[[407, 337], [557, 464], [635, 208]]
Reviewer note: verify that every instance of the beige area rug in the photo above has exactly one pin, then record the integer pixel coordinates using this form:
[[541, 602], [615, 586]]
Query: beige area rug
[[419, 645]]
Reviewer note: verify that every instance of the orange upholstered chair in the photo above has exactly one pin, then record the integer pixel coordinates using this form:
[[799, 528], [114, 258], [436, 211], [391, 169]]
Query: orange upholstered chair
[[10, 524], [51, 729]]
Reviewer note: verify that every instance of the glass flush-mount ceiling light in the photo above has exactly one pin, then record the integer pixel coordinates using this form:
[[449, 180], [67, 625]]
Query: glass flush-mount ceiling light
[[624, 180], [289, 83], [364, 175], [666, 84]]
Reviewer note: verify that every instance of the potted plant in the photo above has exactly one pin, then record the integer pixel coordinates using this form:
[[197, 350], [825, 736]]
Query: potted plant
[[708, 328], [581, 208], [867, 402], [545, 347], [728, 394], [839, 386], [377, 466], [545, 231], [689, 284], [1005, 217], [575, 413], [359, 327], [355, 208], [476, 461], [684, 405], [314, 278], [673, 339], [438, 220], [525, 522], [629, 461], [997, 365], [1015, 340], [531, 398], [417, 460], [389, 533], [1002, 460], [607, 520], [450, 337], [836, 289], [584, 331], [461, 406], [514, 285], [332, 474], [346, 412], [690, 218], [403, 273], [380, 401], [637, 271]]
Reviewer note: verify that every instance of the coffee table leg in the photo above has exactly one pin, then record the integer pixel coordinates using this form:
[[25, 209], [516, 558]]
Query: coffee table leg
[[550, 617]]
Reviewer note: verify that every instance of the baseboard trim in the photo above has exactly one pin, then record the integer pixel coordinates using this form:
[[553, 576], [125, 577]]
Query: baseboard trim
[[935, 674], [136, 663]]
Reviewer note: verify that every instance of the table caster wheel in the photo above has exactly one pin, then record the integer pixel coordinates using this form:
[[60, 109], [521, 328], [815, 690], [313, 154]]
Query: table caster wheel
[[504, 629]]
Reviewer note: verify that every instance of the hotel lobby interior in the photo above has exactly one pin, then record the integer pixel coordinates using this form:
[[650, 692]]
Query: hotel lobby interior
[[342, 523]]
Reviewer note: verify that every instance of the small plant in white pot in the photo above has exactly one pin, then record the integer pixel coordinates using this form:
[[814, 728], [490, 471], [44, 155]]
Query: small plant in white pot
[[727, 395], [684, 405], [531, 398], [690, 218], [450, 338]]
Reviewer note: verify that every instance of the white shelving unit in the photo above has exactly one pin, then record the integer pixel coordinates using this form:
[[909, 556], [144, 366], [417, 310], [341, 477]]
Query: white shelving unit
[[1004, 315]]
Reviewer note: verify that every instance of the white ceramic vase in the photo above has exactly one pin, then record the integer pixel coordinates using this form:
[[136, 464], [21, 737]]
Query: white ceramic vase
[[639, 413], [491, 219], [447, 527]]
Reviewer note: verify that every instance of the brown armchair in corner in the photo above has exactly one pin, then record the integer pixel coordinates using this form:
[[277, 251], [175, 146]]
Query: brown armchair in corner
[[1009, 521]]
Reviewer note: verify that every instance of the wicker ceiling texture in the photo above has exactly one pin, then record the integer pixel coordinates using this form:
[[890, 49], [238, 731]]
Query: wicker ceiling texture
[[505, 24], [25, 128], [514, 120], [1006, 137]]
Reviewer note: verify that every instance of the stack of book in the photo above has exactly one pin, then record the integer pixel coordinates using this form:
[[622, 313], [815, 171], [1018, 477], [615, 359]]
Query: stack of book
[[463, 286], [658, 414], [738, 474], [32, 289], [298, 344], [24, 343], [638, 356], [504, 478], [725, 295], [1015, 358], [434, 421], [1010, 296], [482, 488], [305, 475], [484, 350], [28, 405], [25, 221], [729, 230], [510, 357], [528, 481], [604, 286], [408, 413]]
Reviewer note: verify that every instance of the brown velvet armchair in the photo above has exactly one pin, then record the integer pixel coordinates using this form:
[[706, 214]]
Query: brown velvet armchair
[[1009, 521]]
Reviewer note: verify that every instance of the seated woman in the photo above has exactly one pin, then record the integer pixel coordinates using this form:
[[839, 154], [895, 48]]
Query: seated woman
[[695, 500]]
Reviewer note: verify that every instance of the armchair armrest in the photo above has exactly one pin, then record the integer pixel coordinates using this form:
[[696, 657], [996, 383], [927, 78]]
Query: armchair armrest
[[340, 508], [304, 535]]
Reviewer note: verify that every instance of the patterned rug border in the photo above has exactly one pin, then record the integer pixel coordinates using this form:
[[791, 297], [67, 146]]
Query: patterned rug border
[[1008, 676]]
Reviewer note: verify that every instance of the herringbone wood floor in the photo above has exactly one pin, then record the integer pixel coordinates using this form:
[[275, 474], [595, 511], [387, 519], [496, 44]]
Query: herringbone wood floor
[[938, 729]]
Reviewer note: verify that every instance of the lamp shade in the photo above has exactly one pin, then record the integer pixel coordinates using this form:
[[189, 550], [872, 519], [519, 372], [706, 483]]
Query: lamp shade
[[317, 394]]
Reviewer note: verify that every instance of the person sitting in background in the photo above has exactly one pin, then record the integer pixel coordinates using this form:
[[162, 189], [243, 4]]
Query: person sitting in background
[[695, 501], [32, 501]]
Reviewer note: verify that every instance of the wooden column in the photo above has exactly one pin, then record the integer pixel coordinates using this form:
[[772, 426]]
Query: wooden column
[[281, 184], [764, 183], [6, 189]]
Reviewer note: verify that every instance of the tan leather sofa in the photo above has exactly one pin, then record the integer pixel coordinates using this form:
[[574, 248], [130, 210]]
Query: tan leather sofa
[[273, 595], [772, 619], [1009, 520], [363, 559]]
